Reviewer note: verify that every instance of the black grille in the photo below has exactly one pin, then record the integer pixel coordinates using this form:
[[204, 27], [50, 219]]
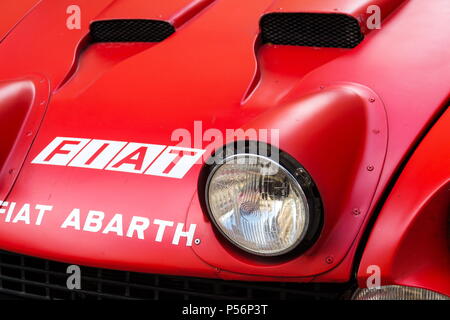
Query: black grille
[[29, 277], [136, 30], [311, 30]]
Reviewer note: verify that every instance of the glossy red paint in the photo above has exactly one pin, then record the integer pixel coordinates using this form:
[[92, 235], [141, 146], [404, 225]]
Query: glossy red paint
[[12, 14], [175, 12], [410, 240], [23, 104], [337, 132], [338, 111]]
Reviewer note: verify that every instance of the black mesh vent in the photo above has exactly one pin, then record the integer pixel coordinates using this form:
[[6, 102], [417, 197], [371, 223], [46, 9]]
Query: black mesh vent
[[311, 30], [136, 30], [29, 277]]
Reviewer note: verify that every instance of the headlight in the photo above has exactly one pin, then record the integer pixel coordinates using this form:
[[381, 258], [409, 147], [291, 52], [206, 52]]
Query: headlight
[[397, 293], [258, 205]]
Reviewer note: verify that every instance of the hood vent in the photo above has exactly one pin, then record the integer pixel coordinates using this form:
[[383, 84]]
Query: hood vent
[[311, 30], [130, 30]]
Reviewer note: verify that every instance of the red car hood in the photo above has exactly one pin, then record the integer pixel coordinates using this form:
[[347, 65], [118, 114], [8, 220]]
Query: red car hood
[[213, 70]]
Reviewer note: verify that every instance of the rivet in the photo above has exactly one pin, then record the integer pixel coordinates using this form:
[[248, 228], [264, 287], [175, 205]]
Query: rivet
[[356, 211], [372, 100], [329, 259], [197, 241], [370, 168]]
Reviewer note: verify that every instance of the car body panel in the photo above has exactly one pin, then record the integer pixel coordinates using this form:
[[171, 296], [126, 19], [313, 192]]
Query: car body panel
[[409, 242], [340, 136], [24, 102], [213, 69]]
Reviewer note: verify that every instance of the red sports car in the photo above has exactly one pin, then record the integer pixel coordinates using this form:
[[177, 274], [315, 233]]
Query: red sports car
[[225, 149]]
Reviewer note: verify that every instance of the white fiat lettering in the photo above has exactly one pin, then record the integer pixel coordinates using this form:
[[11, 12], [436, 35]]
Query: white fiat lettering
[[43, 209], [60, 151], [94, 221], [10, 212], [132, 157], [97, 154], [135, 157], [26, 213], [23, 215], [175, 162]]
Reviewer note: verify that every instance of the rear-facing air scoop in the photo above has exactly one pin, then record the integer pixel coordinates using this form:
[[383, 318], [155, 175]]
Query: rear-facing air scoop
[[141, 21], [329, 23], [130, 30]]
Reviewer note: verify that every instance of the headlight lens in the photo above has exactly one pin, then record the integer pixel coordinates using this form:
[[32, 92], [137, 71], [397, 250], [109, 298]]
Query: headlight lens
[[257, 204], [397, 293]]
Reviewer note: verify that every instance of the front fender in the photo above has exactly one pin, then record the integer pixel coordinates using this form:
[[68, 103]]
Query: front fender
[[410, 239]]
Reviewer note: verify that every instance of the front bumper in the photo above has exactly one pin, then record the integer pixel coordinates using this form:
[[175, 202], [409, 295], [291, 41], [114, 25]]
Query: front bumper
[[34, 278]]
